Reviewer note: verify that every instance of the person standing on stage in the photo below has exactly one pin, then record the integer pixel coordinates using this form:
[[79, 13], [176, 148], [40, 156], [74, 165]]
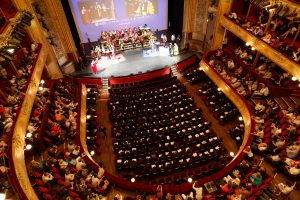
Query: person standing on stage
[[173, 38], [171, 52]]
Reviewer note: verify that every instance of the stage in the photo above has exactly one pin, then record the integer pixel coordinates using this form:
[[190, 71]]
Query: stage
[[132, 62]]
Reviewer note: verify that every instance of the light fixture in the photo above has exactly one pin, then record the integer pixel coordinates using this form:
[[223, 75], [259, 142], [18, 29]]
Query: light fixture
[[132, 180], [240, 118], [294, 78], [11, 50], [40, 88], [219, 89], [247, 44], [2, 196], [231, 154], [190, 180], [88, 89], [88, 116], [29, 135], [42, 81], [28, 146], [253, 49], [92, 152]]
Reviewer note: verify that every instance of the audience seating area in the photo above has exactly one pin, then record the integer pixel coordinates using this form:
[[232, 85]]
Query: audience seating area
[[274, 76], [163, 135], [280, 34], [221, 107], [236, 76]]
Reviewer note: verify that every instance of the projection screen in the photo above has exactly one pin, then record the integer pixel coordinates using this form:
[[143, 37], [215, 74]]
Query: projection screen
[[93, 16]]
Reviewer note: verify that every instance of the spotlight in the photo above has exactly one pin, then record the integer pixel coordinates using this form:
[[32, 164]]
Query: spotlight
[[29, 135], [92, 152], [294, 78], [231, 154], [240, 118], [247, 44], [89, 89], [253, 49], [40, 88], [219, 89], [28, 146], [42, 81], [132, 180], [88, 116], [190, 180]]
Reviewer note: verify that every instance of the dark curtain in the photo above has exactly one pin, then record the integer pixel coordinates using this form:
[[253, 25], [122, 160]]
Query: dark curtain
[[72, 25], [175, 16]]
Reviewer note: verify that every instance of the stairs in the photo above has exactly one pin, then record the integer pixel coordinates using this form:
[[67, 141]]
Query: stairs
[[105, 83], [174, 70], [289, 102]]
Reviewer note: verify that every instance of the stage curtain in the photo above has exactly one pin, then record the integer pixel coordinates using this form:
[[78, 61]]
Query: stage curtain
[[190, 8]]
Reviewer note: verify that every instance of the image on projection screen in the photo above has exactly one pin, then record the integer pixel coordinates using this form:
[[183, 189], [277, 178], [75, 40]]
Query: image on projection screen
[[136, 8], [97, 11], [94, 16]]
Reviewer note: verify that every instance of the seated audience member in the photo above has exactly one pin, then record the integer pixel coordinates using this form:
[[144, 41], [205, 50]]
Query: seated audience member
[[284, 189], [257, 179], [227, 188], [292, 151], [47, 177]]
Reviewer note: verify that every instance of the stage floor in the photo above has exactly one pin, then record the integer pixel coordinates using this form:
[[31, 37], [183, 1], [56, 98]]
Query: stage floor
[[134, 62]]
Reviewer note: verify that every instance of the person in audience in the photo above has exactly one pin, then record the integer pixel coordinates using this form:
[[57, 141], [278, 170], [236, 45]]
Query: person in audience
[[46, 177], [198, 190], [284, 189], [256, 179]]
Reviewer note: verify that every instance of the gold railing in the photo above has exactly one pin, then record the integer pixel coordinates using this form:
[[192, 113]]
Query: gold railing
[[277, 57], [19, 169], [237, 100]]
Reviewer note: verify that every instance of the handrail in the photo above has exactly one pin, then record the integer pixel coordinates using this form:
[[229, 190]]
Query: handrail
[[238, 100], [17, 163], [273, 54]]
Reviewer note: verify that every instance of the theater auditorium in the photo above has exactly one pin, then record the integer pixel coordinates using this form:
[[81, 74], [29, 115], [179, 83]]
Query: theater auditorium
[[150, 99]]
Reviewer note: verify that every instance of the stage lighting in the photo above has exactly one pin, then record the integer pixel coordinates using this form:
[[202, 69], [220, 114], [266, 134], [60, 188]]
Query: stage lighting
[[294, 78], [42, 81], [231, 154], [240, 118], [190, 180], [132, 180]]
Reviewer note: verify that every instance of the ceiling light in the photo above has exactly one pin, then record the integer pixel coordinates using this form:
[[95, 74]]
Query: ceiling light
[[40, 88], [132, 180], [190, 180], [252, 48], [42, 81], [240, 118], [231, 154], [247, 44], [294, 78], [92, 152]]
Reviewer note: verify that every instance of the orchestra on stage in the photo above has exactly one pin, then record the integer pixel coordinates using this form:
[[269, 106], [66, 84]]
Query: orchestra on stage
[[111, 43]]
